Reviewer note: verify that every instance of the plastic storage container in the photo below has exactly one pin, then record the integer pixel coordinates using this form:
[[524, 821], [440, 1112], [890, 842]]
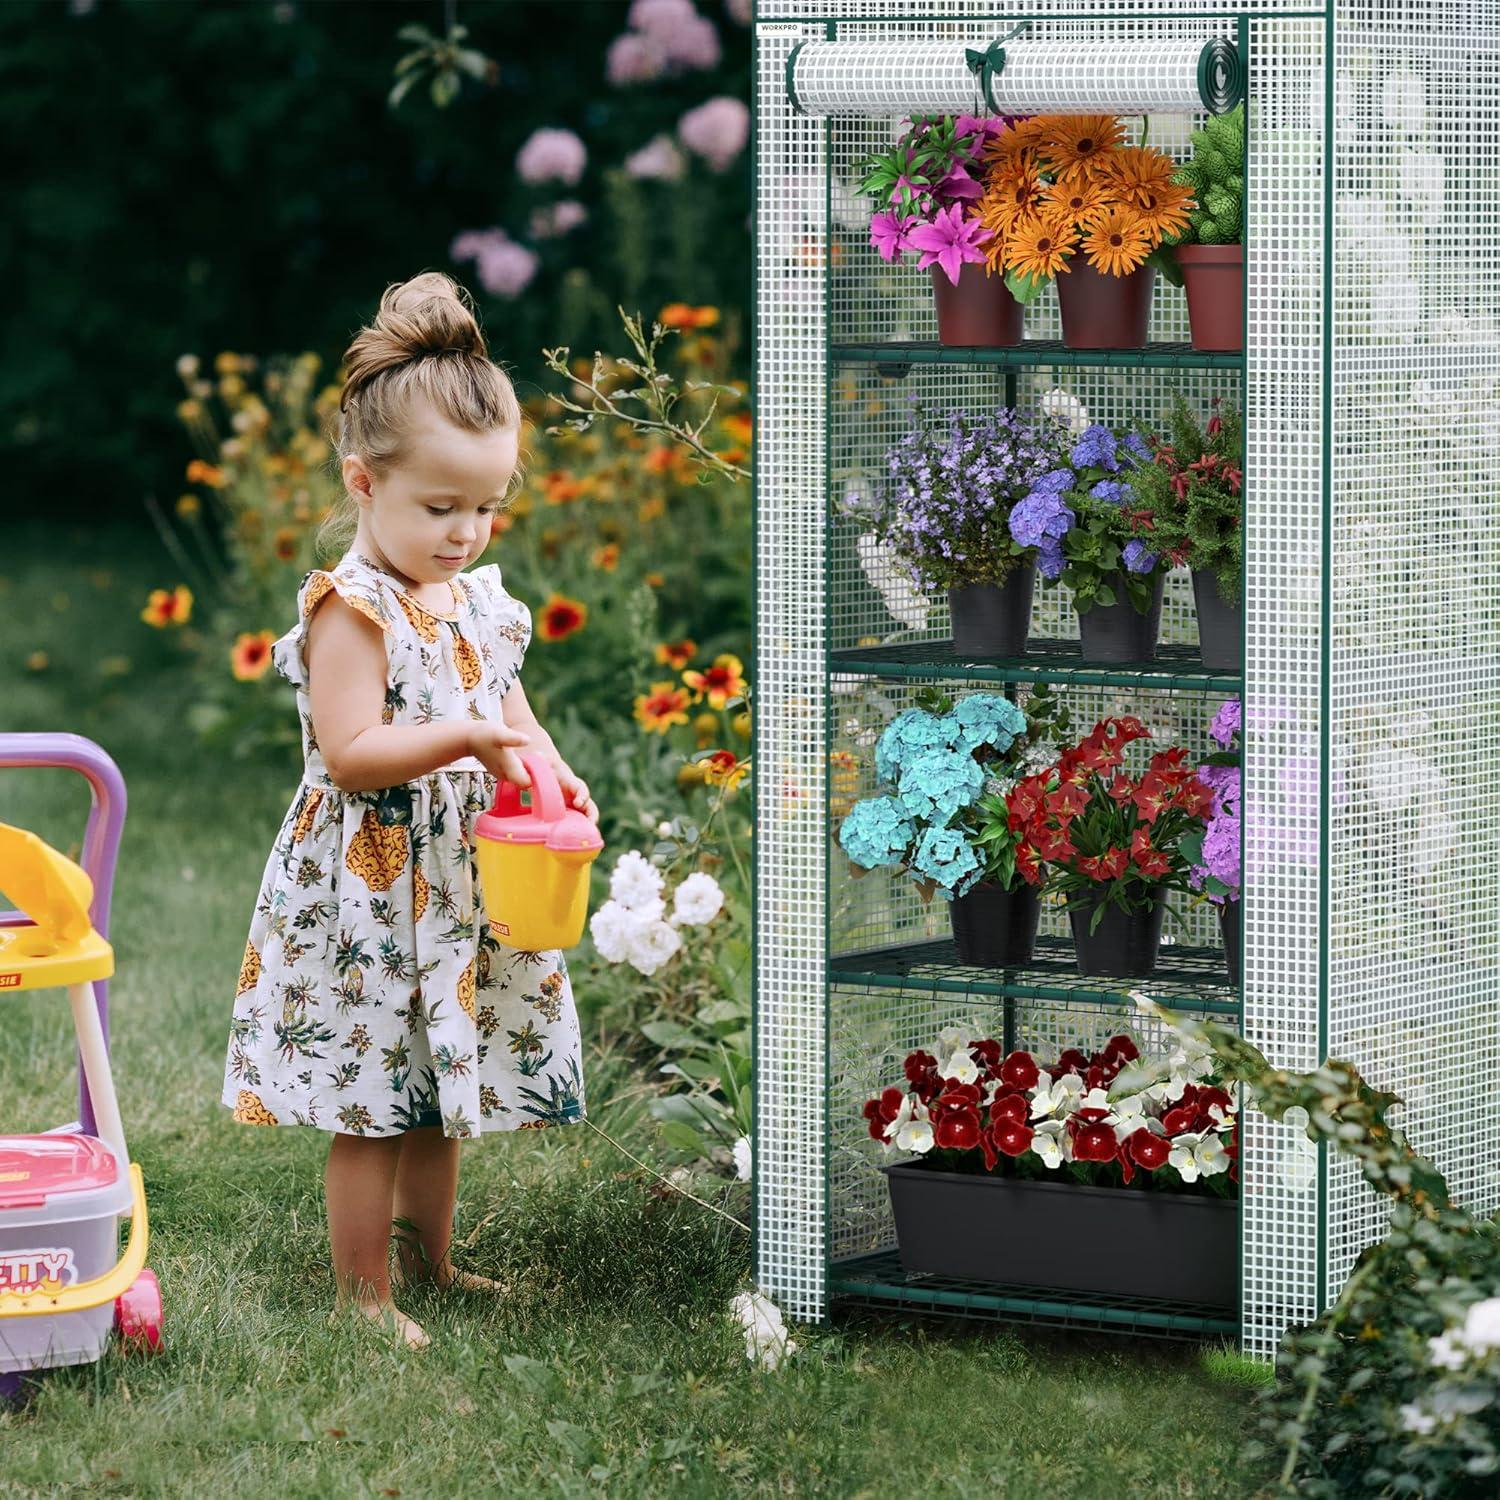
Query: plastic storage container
[[534, 863], [61, 1199]]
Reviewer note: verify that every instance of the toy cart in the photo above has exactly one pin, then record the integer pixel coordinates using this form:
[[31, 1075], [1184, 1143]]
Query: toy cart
[[63, 1287]]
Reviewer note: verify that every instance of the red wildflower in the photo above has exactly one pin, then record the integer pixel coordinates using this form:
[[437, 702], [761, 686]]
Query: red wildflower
[[1194, 798], [1113, 863], [1071, 1061], [1055, 845], [986, 1054], [1029, 863], [1122, 1048]]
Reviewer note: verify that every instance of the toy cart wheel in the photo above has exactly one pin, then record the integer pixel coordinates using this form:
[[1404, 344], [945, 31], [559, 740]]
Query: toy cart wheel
[[138, 1313]]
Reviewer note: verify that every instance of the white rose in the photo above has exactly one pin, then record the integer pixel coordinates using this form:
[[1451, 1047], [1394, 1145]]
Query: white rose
[[699, 899], [1481, 1331], [651, 944], [635, 881], [742, 1159], [611, 928]]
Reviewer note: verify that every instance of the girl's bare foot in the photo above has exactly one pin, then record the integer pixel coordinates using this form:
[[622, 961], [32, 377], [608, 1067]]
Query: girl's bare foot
[[447, 1279], [388, 1318]]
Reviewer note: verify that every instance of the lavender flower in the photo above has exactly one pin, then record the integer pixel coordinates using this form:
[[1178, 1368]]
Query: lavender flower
[[1138, 559]]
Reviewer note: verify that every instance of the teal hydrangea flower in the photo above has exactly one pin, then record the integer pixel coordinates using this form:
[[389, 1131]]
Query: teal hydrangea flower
[[988, 719], [947, 858], [936, 783], [908, 735], [878, 831]]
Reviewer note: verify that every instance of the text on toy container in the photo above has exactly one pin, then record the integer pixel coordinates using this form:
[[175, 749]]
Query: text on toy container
[[41, 1270]]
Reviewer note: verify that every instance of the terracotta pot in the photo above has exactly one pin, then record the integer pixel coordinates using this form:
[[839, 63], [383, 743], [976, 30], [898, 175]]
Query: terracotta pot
[[1213, 277], [1100, 311], [993, 619], [979, 311]]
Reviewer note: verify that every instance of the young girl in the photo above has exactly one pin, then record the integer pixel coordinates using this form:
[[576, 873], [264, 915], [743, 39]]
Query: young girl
[[373, 1001]]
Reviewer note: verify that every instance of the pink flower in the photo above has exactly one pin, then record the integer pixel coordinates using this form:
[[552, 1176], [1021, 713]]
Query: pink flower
[[559, 219], [551, 156], [658, 159], [950, 241], [888, 235], [657, 18], [739, 10], [717, 131], [958, 184], [693, 45], [633, 58], [505, 268]]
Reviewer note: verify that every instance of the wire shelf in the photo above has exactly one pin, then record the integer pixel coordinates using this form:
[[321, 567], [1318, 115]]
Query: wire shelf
[[896, 357], [1177, 668], [1185, 978], [877, 1280]]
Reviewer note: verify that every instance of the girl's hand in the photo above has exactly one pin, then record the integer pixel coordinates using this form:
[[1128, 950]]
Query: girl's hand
[[575, 791], [496, 745]]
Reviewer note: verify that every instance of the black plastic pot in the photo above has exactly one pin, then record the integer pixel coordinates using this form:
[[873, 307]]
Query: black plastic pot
[[1229, 931], [1221, 639], [995, 927], [993, 619], [1118, 632], [1125, 943], [1124, 1242]]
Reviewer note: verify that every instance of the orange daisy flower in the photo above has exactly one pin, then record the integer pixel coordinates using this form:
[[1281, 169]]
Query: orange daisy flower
[[1118, 244], [560, 487], [658, 461], [1163, 210], [562, 617], [1139, 173], [251, 654], [665, 705], [1040, 249], [676, 654], [723, 769], [607, 557], [165, 608], [681, 315], [739, 425], [1079, 202], [1078, 145], [199, 472], [1011, 196], [720, 682]]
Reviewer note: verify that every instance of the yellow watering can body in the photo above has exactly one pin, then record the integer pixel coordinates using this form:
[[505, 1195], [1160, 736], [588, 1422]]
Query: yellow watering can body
[[534, 863]]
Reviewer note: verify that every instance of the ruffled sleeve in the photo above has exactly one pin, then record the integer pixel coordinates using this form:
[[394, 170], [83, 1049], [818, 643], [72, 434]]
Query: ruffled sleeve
[[289, 654], [505, 619]]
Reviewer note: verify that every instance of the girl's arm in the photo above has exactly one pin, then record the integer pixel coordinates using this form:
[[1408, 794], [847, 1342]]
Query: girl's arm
[[519, 716], [346, 694]]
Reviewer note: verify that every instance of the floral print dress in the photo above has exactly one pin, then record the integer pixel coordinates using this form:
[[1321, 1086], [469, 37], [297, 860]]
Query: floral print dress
[[373, 997]]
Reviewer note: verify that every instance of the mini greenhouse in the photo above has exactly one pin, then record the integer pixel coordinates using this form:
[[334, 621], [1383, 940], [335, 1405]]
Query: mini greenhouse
[[1371, 615]]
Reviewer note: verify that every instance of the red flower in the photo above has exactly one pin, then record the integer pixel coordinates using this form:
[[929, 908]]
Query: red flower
[[955, 1098], [1071, 1061], [1149, 1151], [1055, 845], [1194, 798], [562, 617], [1122, 1049], [918, 1066], [880, 1112], [1169, 764], [1029, 863], [1013, 1138], [986, 1054], [1019, 1071], [1114, 862], [1152, 797], [1208, 1096], [1094, 1143], [1014, 1109], [1067, 802], [1097, 757], [958, 1130], [1127, 1167], [1175, 1121], [1152, 862], [1122, 788]]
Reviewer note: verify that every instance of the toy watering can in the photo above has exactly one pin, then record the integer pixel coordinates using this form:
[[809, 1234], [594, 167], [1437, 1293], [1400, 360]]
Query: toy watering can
[[534, 863]]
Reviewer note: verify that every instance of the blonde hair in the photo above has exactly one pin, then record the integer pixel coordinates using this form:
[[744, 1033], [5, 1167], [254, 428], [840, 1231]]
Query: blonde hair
[[423, 344]]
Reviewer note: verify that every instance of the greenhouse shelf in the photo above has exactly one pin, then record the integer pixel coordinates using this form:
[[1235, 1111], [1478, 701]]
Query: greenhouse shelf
[[1176, 668], [1185, 979], [877, 1280], [1162, 355]]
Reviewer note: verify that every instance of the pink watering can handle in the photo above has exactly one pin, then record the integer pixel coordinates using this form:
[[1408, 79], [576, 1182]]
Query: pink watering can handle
[[546, 794]]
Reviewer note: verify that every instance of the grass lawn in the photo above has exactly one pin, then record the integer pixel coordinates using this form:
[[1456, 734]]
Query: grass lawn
[[611, 1367]]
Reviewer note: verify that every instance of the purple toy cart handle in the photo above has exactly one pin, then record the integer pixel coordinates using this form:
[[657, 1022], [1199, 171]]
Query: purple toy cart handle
[[101, 843]]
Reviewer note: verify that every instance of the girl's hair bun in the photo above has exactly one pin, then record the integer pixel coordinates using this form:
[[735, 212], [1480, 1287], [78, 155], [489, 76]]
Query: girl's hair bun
[[426, 316]]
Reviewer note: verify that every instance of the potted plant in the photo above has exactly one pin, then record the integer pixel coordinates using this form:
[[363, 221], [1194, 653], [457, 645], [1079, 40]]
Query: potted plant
[[1215, 850], [926, 190], [1078, 516], [1210, 252], [1104, 1173], [1187, 505], [943, 765], [1110, 843], [1069, 201], [950, 485]]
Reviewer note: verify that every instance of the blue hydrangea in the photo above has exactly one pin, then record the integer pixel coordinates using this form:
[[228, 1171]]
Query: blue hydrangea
[[877, 832], [948, 859], [1049, 558], [910, 734], [1138, 558], [1095, 449], [988, 719], [1111, 491], [1136, 445], [935, 784], [1040, 515]]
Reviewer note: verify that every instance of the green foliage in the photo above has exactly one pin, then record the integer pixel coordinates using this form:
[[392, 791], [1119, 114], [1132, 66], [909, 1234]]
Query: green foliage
[[1364, 1403], [1215, 175], [1188, 502]]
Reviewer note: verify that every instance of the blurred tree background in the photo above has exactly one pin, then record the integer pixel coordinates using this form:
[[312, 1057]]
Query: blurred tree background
[[227, 174]]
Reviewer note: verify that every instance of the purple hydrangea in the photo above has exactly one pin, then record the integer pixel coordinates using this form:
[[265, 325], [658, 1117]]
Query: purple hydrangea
[[1138, 557], [1227, 722], [1112, 491], [1096, 449], [1043, 513], [1049, 558], [1136, 445], [1221, 853]]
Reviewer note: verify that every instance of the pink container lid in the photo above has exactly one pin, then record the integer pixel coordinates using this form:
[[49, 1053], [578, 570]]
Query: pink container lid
[[547, 821], [34, 1168]]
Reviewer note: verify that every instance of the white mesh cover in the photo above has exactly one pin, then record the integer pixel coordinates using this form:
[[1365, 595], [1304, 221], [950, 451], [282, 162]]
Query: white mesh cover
[[903, 77]]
